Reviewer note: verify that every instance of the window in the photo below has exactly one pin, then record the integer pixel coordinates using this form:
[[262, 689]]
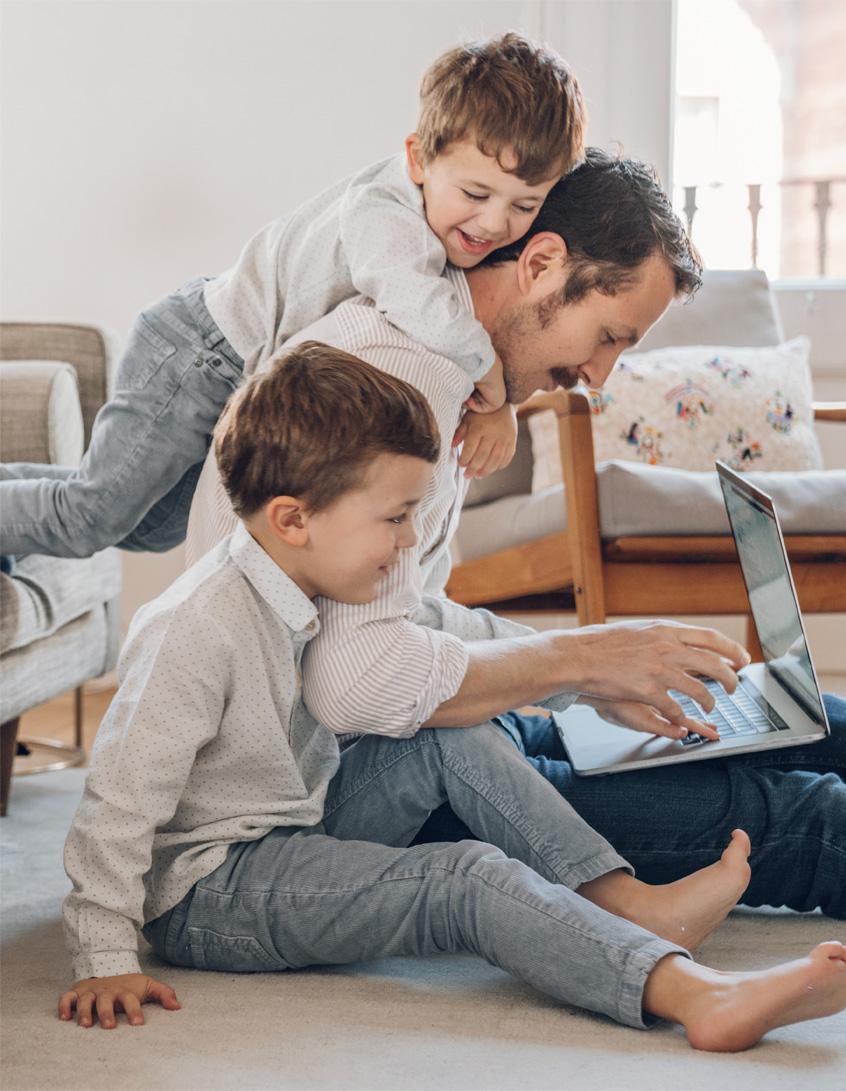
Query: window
[[759, 148]]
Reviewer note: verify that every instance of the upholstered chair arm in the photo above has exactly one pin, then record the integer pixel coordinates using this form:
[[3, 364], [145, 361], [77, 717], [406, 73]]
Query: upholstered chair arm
[[40, 413]]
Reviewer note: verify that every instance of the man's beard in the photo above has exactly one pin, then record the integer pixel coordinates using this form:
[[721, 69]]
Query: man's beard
[[512, 337]]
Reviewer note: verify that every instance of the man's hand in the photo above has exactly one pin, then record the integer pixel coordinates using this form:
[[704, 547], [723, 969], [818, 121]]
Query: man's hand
[[106, 995], [489, 393], [489, 441], [639, 661], [639, 717]]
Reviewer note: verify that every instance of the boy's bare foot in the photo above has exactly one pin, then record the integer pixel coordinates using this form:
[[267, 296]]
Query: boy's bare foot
[[727, 1012], [683, 912]]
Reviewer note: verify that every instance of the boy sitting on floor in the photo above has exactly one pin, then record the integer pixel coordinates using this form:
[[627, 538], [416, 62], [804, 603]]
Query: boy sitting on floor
[[220, 817]]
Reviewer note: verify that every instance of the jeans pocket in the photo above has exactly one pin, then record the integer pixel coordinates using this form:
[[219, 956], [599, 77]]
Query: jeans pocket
[[234, 954], [144, 355]]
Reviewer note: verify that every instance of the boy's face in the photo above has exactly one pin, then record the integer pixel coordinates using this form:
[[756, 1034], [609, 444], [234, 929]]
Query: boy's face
[[472, 204], [353, 543]]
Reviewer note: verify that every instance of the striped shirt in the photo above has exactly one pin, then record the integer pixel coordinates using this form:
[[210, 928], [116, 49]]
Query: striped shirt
[[367, 234], [386, 666], [206, 743]]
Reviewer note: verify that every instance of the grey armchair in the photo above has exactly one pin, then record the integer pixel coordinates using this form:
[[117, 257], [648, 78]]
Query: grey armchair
[[59, 618]]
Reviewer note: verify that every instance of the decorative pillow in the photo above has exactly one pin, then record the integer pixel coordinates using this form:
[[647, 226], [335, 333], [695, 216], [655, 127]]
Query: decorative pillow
[[685, 407]]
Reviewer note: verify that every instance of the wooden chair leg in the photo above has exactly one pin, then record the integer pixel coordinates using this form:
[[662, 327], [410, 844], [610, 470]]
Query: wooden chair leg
[[8, 741], [753, 645]]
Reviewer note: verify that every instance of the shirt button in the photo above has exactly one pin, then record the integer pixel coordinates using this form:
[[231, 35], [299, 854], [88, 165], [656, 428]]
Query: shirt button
[[198, 361]]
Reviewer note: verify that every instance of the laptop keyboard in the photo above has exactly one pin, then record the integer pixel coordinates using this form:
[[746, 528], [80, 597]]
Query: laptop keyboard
[[745, 712]]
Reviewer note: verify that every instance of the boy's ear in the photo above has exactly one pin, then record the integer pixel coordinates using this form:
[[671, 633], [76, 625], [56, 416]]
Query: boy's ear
[[287, 517], [544, 255], [412, 158]]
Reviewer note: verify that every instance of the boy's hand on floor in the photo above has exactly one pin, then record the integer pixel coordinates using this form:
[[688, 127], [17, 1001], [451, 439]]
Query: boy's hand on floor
[[489, 392], [490, 441], [106, 995]]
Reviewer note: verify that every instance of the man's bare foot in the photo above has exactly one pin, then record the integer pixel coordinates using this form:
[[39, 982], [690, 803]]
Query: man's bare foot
[[686, 911], [727, 1012]]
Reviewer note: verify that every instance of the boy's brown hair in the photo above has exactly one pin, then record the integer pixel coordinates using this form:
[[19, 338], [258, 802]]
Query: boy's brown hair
[[311, 425], [505, 94]]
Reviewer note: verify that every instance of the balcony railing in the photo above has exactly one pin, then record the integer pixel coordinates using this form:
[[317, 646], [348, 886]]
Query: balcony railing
[[820, 200]]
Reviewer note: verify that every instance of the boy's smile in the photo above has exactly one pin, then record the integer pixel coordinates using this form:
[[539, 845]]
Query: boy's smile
[[472, 203], [355, 542]]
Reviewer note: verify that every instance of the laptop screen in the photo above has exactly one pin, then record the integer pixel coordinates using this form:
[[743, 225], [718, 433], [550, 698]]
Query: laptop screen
[[771, 595]]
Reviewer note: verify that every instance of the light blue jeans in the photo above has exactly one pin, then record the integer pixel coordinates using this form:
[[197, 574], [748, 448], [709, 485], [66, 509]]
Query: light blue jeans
[[136, 481], [350, 889]]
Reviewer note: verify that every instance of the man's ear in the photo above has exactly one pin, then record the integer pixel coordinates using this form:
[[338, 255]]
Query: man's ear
[[287, 518], [543, 257], [412, 158]]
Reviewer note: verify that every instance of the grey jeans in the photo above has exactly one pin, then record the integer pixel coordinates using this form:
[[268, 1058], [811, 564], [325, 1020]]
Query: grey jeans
[[350, 889], [136, 481]]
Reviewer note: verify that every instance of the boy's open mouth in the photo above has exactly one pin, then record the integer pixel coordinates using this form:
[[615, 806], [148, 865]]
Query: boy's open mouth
[[472, 244]]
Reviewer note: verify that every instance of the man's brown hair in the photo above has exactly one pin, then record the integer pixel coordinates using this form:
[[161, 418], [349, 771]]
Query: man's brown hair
[[505, 94], [613, 214], [311, 425]]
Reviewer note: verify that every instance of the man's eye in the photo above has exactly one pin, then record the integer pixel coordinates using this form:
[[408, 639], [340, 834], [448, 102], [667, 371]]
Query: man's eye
[[397, 520], [521, 208], [609, 340], [474, 196]]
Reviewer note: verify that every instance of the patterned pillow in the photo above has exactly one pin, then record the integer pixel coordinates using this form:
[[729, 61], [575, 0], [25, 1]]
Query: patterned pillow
[[685, 407]]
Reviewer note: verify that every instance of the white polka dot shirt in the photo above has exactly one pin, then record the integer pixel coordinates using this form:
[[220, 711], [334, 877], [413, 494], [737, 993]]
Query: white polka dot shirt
[[367, 234], [206, 743]]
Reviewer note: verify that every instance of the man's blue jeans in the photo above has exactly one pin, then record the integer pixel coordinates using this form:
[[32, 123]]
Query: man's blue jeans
[[135, 484], [350, 889], [669, 822]]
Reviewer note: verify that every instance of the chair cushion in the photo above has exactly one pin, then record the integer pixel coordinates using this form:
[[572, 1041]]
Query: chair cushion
[[686, 406], [734, 306], [652, 501], [46, 593], [40, 413]]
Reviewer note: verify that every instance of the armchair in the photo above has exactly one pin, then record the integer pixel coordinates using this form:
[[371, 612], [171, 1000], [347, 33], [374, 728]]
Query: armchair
[[59, 618], [646, 540]]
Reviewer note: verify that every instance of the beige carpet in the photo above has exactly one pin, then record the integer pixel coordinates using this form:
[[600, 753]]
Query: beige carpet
[[450, 1022]]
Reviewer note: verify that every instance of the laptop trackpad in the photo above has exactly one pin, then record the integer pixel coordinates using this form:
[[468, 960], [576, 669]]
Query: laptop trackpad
[[593, 743]]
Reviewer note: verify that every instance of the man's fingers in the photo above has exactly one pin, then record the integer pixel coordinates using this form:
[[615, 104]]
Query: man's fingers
[[714, 641]]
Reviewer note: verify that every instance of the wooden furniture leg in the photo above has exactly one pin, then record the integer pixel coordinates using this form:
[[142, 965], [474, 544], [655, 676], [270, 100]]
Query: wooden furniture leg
[[8, 743]]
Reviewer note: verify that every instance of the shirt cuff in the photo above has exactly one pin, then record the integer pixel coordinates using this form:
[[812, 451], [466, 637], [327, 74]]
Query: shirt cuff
[[105, 964]]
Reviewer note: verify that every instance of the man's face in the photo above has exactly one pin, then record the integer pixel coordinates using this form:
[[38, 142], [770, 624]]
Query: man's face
[[357, 539], [543, 347]]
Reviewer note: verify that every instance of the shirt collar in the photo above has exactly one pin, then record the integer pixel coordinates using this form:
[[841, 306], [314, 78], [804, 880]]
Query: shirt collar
[[279, 591]]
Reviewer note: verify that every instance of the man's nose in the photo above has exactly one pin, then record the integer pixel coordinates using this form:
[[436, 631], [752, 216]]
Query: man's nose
[[600, 365]]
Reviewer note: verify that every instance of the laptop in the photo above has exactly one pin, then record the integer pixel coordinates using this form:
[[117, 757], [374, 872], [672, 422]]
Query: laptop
[[777, 703]]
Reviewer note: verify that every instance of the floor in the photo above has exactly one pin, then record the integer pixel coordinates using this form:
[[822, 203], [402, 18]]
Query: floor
[[445, 1023]]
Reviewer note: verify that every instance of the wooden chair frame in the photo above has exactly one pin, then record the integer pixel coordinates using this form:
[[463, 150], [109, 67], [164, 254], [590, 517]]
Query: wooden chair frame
[[636, 576]]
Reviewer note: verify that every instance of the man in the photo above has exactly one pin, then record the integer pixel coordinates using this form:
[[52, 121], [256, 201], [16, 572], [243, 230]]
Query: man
[[603, 261]]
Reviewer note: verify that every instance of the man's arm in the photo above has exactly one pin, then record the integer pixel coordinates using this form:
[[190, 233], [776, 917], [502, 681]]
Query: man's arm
[[627, 661]]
